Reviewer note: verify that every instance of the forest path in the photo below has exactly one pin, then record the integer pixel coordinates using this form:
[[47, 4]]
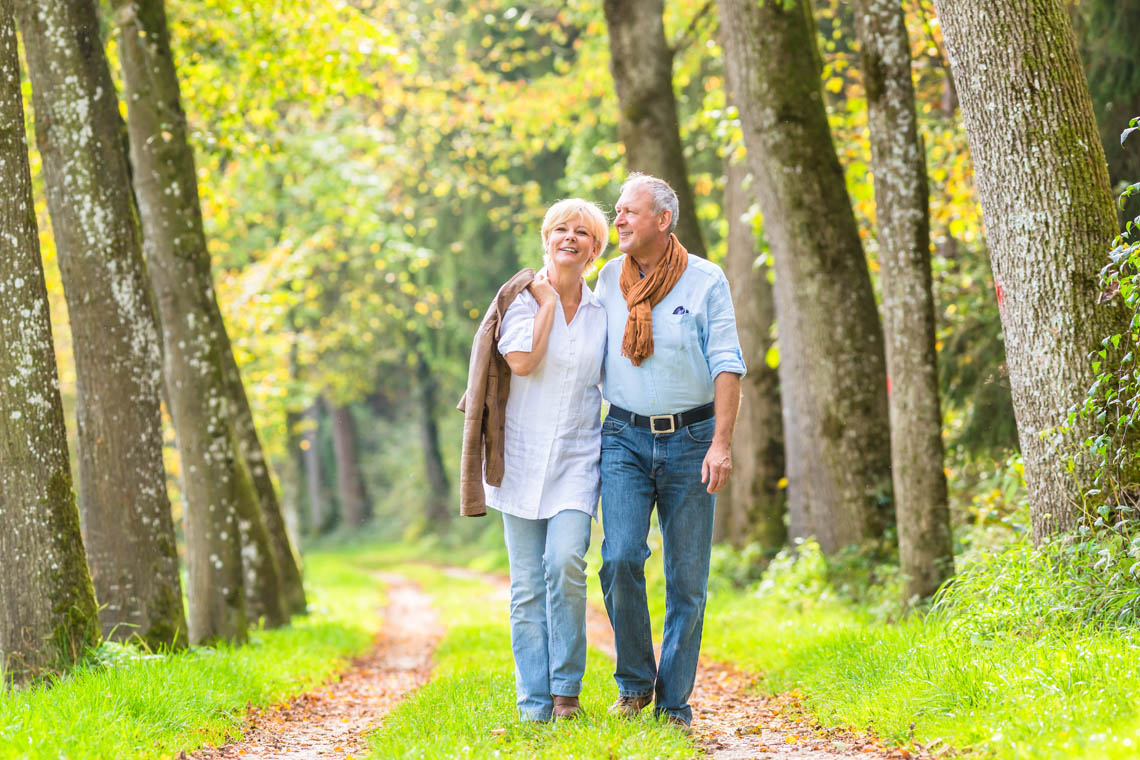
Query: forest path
[[730, 720], [333, 720]]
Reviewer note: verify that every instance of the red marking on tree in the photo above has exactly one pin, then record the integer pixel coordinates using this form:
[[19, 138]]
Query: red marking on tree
[[1000, 293], [888, 385]]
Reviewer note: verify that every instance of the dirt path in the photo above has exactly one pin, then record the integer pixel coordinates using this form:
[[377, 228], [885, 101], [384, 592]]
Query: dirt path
[[332, 721]]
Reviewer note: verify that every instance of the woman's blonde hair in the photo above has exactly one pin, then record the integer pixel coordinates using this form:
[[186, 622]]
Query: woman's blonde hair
[[593, 219]]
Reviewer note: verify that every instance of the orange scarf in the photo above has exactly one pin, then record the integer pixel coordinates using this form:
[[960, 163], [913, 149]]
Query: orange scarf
[[643, 293]]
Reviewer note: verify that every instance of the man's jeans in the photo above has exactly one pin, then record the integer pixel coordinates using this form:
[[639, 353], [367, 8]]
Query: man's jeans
[[639, 468], [548, 607]]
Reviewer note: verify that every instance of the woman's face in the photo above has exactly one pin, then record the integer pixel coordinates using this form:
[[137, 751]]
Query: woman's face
[[569, 244]]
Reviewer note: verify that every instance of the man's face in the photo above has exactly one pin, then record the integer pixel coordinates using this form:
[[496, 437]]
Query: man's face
[[637, 226]]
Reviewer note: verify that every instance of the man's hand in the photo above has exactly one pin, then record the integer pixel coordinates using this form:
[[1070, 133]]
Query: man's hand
[[717, 466]]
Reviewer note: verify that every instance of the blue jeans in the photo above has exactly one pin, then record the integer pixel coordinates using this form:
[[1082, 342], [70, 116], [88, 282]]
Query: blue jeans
[[640, 468], [548, 607]]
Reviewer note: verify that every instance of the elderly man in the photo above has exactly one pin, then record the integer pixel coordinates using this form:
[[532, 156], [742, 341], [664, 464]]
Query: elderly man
[[672, 377]]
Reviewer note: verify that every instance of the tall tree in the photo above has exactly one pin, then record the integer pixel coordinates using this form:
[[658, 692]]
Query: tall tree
[[197, 351], [641, 61], [47, 602], [754, 508], [122, 484], [437, 506], [354, 506], [1044, 192], [832, 374], [926, 554], [320, 516]]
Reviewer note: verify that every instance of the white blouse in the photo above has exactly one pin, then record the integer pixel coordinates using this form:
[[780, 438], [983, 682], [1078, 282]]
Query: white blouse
[[553, 440]]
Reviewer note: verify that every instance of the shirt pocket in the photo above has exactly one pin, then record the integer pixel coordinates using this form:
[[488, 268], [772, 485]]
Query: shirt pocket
[[675, 331]]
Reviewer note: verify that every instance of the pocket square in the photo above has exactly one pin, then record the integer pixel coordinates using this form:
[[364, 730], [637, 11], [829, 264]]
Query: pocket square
[[680, 310]]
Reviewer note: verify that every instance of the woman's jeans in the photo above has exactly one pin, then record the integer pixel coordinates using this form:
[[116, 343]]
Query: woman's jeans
[[640, 468], [548, 607]]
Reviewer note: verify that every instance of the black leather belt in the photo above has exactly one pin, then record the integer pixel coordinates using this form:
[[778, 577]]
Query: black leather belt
[[662, 423]]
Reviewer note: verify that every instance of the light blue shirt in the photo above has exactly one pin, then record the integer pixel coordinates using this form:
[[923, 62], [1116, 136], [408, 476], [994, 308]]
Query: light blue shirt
[[694, 340]]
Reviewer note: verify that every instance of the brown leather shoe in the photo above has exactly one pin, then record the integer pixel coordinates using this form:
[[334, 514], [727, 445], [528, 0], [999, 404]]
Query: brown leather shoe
[[629, 707], [566, 707], [678, 722]]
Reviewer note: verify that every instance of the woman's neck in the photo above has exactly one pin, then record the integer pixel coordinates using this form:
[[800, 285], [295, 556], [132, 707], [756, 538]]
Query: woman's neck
[[567, 283]]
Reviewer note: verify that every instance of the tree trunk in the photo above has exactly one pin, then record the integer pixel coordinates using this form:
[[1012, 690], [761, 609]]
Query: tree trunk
[[249, 446], [832, 375], [126, 513], [350, 484], [48, 617], [926, 552], [320, 518], [754, 509], [437, 504], [641, 62], [261, 579], [1044, 192]]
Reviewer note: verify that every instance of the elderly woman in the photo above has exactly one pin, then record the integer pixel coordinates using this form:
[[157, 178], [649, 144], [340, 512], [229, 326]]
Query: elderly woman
[[553, 339]]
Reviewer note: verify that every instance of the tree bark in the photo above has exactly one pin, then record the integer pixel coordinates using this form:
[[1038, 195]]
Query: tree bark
[[1044, 191], [437, 504], [832, 374], [126, 513], [350, 483], [249, 446], [926, 552], [195, 339], [48, 617], [755, 507], [641, 62]]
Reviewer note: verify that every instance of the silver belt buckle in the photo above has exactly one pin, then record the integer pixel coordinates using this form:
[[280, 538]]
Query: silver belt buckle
[[653, 424]]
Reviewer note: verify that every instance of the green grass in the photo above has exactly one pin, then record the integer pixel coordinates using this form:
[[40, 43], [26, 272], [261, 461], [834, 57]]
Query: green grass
[[468, 708], [1001, 671], [125, 704]]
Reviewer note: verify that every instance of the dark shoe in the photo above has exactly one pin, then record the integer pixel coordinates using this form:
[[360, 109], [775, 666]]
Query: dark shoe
[[566, 707], [629, 707], [677, 722]]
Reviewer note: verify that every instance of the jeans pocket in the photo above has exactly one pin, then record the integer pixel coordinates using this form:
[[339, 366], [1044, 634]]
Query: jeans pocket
[[701, 432], [610, 426]]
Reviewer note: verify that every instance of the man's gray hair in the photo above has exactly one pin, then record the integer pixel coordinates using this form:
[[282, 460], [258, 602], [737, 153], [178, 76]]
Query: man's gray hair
[[663, 196]]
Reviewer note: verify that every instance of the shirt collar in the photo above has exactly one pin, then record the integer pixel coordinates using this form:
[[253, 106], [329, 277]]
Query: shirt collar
[[588, 296]]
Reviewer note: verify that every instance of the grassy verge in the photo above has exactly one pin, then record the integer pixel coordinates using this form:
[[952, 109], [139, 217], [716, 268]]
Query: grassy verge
[[125, 704], [997, 672], [468, 708]]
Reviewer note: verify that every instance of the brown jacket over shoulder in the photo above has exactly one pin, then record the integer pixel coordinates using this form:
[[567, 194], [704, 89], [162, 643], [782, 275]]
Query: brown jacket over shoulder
[[484, 404]]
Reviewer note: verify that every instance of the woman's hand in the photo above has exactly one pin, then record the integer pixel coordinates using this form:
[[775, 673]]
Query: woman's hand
[[542, 290]]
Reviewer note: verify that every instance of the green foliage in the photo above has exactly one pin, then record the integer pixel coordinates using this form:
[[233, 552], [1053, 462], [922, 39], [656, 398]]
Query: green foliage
[[127, 702], [1016, 660], [1113, 401]]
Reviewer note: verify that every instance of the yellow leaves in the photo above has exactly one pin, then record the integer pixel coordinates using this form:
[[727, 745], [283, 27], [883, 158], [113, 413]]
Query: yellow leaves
[[834, 84]]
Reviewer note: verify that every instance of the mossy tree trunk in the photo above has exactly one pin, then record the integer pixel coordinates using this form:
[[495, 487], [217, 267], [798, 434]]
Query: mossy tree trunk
[[642, 65], [122, 483], [350, 482], [216, 481], [1043, 187], [47, 602], [754, 505], [926, 553], [832, 373]]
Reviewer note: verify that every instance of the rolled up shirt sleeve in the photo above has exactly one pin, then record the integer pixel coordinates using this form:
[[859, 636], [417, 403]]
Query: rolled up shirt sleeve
[[516, 332], [722, 344]]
